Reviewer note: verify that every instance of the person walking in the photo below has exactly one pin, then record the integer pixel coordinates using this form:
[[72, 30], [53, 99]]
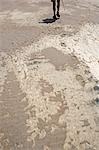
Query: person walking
[[54, 8]]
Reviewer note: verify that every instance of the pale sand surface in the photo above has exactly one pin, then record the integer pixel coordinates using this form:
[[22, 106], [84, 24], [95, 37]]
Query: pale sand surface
[[49, 76]]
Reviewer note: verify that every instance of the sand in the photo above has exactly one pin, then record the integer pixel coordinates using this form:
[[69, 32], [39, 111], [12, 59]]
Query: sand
[[49, 74]]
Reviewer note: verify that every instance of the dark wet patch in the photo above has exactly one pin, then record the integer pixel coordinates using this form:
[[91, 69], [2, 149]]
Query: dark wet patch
[[58, 59], [13, 117]]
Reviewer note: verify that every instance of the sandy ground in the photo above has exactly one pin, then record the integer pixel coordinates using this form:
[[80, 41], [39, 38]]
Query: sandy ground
[[49, 75]]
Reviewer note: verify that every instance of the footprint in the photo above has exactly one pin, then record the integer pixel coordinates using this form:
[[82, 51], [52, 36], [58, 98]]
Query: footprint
[[80, 79]]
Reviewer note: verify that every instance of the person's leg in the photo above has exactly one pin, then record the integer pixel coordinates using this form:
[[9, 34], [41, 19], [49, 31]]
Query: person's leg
[[58, 7], [54, 8]]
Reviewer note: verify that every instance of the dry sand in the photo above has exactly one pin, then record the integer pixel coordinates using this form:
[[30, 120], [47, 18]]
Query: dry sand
[[49, 76]]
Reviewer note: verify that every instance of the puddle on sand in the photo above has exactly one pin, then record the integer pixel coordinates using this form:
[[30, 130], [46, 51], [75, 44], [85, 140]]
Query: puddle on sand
[[58, 59]]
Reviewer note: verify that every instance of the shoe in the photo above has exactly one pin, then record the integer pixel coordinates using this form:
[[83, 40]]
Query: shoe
[[58, 15], [54, 17]]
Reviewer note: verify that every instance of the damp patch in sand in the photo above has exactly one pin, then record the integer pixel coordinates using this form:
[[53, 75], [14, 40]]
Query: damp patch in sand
[[58, 59]]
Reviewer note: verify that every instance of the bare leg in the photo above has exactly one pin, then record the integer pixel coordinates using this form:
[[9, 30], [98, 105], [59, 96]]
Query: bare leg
[[54, 8], [58, 7]]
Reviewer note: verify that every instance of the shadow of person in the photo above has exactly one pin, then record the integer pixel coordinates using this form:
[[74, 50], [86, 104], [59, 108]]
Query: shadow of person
[[48, 20]]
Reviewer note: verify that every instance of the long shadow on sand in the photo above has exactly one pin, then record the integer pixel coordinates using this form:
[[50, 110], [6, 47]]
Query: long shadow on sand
[[48, 20]]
